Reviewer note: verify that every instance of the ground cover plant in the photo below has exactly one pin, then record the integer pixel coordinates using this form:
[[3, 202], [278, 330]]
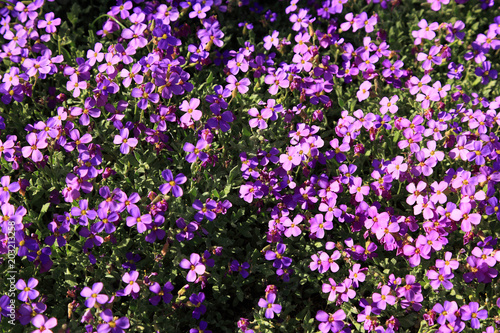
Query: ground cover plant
[[245, 166]]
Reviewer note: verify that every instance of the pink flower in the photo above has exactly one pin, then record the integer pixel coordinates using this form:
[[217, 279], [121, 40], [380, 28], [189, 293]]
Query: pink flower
[[194, 265], [234, 84], [191, 112], [389, 105], [364, 91]]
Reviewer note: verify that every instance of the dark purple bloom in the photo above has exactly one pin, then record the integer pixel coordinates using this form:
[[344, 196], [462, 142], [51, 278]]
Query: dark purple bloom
[[197, 300], [161, 293], [112, 325], [204, 210]]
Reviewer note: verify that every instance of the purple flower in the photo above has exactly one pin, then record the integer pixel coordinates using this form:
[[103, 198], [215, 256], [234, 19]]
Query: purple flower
[[234, 84], [486, 72], [242, 269], [276, 80], [441, 278], [259, 118], [5, 306], [191, 112], [146, 94], [199, 11], [197, 300], [112, 325], [194, 265], [93, 295], [430, 58], [446, 312], [272, 40], [202, 328], [84, 212], [330, 321], [125, 141], [34, 147], [204, 210], [279, 260], [172, 184], [130, 280], [364, 91], [43, 323], [196, 152], [471, 312], [142, 221], [161, 293], [270, 306], [27, 290]]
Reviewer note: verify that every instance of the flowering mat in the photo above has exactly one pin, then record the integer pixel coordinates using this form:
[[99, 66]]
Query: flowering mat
[[249, 166]]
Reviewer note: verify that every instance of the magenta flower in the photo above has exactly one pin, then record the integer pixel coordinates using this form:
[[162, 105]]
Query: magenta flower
[[384, 298], [172, 184], [292, 227], [447, 265], [130, 280], [276, 80], [199, 11], [234, 84], [95, 55], [43, 324], [332, 288], [357, 188], [191, 112], [463, 214], [270, 41], [318, 226], [125, 141], [389, 105], [75, 85], [364, 91], [440, 278], [330, 321], [34, 147], [259, 118], [357, 275], [194, 265], [93, 295], [49, 23], [270, 306], [27, 290]]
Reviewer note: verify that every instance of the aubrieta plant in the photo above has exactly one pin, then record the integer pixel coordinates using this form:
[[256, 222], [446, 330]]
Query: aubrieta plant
[[249, 166]]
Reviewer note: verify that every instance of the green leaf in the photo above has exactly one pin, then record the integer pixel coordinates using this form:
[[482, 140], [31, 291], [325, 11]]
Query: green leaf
[[44, 210]]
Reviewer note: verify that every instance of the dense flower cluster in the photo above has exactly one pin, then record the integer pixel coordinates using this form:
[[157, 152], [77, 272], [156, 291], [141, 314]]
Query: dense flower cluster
[[151, 146]]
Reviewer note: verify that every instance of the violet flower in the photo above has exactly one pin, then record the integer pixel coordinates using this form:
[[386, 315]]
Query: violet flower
[[172, 184], [112, 325], [194, 265], [270, 306], [93, 295]]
